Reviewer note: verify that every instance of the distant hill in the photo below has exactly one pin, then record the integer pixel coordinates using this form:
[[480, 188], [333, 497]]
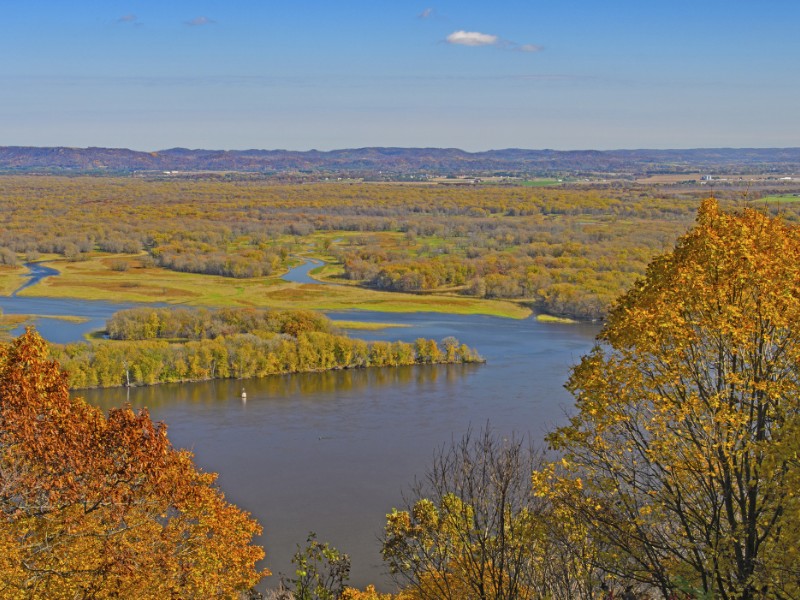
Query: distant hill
[[435, 161]]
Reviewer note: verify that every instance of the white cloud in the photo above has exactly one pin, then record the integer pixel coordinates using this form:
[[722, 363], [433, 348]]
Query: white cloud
[[198, 21], [472, 38], [528, 48], [475, 38], [425, 14]]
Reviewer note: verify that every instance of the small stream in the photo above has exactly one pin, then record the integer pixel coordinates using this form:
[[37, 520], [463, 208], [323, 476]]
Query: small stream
[[36, 272], [48, 314], [300, 273]]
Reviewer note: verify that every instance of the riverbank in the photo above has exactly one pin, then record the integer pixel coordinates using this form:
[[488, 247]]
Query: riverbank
[[110, 365]]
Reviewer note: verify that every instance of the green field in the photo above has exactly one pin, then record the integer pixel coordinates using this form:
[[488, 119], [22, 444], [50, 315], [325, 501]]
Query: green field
[[540, 182], [781, 198], [552, 319]]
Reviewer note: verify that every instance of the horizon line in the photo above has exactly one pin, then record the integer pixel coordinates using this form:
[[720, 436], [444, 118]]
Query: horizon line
[[356, 148]]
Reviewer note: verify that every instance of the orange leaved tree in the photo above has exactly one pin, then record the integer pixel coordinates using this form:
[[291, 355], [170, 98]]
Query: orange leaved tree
[[95, 506]]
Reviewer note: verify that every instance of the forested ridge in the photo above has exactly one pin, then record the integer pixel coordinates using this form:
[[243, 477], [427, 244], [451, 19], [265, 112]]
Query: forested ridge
[[564, 251], [399, 160]]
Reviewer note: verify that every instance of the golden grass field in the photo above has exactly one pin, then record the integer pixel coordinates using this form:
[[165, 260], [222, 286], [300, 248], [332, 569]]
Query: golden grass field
[[11, 278], [552, 319]]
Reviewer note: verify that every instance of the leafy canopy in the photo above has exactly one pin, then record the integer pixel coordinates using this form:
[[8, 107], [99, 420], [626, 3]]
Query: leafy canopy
[[103, 506]]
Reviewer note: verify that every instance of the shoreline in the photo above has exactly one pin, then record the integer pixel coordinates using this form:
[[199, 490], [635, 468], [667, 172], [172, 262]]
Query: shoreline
[[478, 361]]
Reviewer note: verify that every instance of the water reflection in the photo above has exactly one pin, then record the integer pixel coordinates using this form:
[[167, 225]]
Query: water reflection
[[328, 452], [303, 387]]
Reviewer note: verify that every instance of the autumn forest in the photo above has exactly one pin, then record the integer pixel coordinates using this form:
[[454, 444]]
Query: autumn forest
[[561, 251]]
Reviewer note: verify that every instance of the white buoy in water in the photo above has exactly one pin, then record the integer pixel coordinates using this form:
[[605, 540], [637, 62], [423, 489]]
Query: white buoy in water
[[244, 394]]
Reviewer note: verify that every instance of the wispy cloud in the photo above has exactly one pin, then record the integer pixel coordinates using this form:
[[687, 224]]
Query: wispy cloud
[[472, 38], [127, 19], [426, 14], [476, 38], [199, 22]]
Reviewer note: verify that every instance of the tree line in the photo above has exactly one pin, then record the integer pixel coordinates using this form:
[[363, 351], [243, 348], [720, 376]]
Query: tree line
[[162, 345]]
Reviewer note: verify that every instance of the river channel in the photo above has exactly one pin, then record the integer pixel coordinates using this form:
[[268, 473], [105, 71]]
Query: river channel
[[333, 452]]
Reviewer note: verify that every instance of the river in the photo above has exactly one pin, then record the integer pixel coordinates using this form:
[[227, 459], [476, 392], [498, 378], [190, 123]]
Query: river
[[301, 273], [333, 452]]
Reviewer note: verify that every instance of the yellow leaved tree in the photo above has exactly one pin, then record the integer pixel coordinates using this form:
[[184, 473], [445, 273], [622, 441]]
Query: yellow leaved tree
[[681, 461], [96, 506]]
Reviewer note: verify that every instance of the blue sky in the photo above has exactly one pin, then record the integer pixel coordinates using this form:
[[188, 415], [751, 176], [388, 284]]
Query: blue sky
[[304, 74]]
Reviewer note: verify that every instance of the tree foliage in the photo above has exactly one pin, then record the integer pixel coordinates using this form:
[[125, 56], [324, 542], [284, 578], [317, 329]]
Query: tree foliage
[[200, 323], [681, 460], [157, 345], [475, 529], [370, 593], [95, 506], [321, 571]]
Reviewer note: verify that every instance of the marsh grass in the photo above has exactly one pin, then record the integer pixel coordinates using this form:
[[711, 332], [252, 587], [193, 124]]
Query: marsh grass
[[11, 278], [552, 319], [95, 279], [9, 322]]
